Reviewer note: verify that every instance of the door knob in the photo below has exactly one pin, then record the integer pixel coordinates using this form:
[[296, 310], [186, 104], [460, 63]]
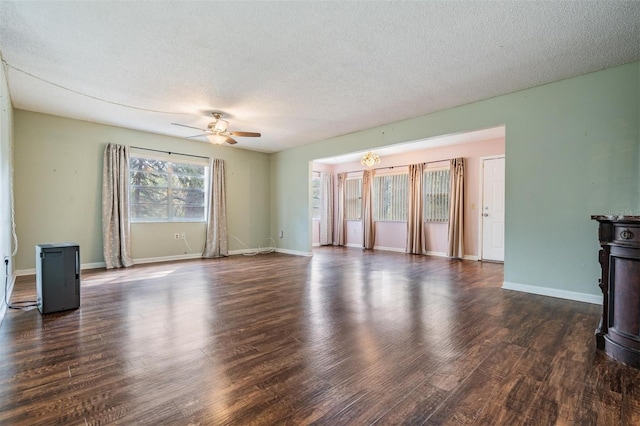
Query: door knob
[[486, 215]]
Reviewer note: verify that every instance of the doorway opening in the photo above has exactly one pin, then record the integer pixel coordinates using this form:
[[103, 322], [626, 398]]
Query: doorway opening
[[434, 153]]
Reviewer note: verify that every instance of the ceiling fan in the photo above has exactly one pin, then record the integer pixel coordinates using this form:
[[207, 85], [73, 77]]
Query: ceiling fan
[[217, 133]]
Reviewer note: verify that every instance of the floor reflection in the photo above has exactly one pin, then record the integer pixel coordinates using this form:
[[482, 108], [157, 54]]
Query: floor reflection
[[229, 341]]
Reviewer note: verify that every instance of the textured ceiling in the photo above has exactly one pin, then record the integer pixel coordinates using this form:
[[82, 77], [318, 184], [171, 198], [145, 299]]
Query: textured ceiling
[[297, 72]]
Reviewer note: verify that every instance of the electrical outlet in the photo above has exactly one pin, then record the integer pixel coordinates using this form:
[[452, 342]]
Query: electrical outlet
[[183, 236], [176, 236]]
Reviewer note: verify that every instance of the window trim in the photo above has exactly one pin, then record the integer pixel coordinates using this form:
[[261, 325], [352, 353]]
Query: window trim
[[171, 159]]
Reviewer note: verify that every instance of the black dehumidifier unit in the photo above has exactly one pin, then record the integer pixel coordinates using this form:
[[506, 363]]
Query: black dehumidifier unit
[[58, 277]]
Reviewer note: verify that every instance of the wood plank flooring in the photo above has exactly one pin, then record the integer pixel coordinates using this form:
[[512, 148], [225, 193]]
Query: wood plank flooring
[[345, 337]]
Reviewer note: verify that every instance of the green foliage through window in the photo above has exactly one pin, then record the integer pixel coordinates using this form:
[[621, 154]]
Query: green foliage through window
[[166, 191]]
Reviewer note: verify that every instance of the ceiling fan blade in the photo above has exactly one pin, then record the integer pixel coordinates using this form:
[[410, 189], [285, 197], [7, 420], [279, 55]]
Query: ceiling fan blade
[[196, 136], [191, 127], [244, 134], [230, 140]]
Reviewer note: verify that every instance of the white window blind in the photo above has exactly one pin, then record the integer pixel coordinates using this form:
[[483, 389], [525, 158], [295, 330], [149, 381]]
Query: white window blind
[[315, 196], [390, 197], [353, 199], [436, 195]]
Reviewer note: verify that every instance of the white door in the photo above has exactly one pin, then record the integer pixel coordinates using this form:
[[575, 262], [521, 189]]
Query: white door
[[493, 209]]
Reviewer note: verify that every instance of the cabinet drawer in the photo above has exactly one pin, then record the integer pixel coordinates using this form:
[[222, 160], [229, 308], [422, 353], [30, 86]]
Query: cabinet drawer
[[626, 234]]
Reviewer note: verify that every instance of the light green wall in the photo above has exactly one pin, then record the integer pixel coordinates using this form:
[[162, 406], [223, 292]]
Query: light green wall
[[6, 161], [58, 185], [572, 150], [154, 240]]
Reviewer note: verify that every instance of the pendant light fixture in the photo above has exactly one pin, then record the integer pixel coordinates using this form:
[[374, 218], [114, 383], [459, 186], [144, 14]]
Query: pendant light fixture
[[370, 159]]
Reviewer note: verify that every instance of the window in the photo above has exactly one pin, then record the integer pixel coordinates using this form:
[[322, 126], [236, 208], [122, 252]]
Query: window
[[390, 197], [436, 195], [316, 192], [353, 199], [167, 191]]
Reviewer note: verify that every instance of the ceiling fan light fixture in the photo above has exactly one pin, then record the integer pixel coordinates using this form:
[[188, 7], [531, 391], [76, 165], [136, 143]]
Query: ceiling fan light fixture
[[221, 125], [370, 159], [217, 131], [216, 139]]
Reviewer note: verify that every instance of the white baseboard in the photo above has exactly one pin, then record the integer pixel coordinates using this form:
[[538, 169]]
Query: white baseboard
[[167, 258], [437, 253], [554, 292], [3, 308], [261, 250], [98, 265], [444, 254], [354, 245], [315, 245], [242, 251], [94, 265], [295, 252], [396, 249], [142, 261], [429, 253], [23, 272]]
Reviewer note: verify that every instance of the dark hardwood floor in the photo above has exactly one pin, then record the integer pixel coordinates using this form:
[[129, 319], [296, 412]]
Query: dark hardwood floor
[[345, 337]]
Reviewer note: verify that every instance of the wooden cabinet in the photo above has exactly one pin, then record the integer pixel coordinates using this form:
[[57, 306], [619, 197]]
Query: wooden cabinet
[[618, 333]]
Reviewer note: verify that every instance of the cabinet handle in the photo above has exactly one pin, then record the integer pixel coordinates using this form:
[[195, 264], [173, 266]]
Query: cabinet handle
[[626, 234]]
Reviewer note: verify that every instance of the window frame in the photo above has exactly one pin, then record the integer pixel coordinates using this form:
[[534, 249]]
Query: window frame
[[171, 218]]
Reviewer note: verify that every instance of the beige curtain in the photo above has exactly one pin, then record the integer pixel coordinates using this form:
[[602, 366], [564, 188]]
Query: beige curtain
[[368, 228], [216, 242], [341, 219], [415, 223], [116, 238], [456, 209], [326, 209]]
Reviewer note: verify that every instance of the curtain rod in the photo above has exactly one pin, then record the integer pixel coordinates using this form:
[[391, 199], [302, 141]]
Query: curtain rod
[[401, 165], [169, 152], [391, 167]]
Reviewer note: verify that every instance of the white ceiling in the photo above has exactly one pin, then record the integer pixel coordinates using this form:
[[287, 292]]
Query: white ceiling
[[298, 72]]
